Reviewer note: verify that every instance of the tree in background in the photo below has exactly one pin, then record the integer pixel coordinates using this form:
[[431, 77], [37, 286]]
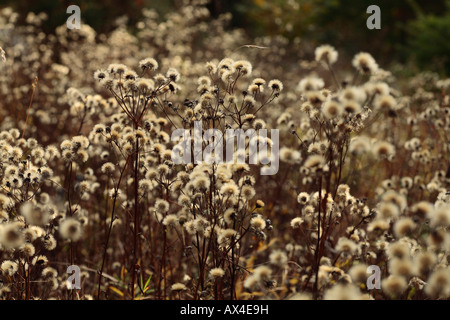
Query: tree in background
[[428, 40], [410, 30], [100, 15]]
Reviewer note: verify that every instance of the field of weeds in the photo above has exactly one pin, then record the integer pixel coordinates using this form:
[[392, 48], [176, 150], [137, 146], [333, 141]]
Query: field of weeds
[[351, 199]]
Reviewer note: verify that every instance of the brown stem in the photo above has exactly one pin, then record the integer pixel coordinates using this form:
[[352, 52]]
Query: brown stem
[[136, 217], [110, 228], [28, 276], [317, 254], [34, 85], [161, 270]]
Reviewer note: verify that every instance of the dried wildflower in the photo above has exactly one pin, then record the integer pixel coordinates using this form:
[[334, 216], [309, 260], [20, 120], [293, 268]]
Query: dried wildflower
[[259, 124], [326, 53], [314, 162], [424, 263], [278, 258], [28, 249], [404, 227], [398, 250], [30, 234], [385, 102], [178, 287], [70, 229], [229, 216], [226, 236], [365, 63], [243, 67], [171, 220], [259, 204], [309, 209], [173, 75], [189, 227], [387, 210], [401, 267], [394, 285], [226, 75], [117, 68], [351, 107], [315, 98], [211, 67], [310, 83], [101, 75], [11, 235], [49, 272], [353, 94], [161, 206], [39, 260], [258, 223], [145, 86], [251, 283], [358, 273], [204, 81], [9, 268], [217, 273], [34, 215], [396, 198], [226, 63], [148, 64], [332, 109], [383, 149], [438, 284], [249, 101], [343, 292], [163, 169], [145, 185], [248, 192], [275, 85], [259, 82], [49, 242], [296, 222], [440, 217], [262, 273], [201, 183], [303, 198], [108, 168], [343, 190], [229, 189], [346, 245], [289, 155], [184, 200]]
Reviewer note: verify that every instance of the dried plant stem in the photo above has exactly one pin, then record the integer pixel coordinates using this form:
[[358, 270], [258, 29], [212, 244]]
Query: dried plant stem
[[69, 178], [82, 120], [317, 251], [110, 228], [136, 219], [34, 85], [338, 86], [28, 282], [162, 265]]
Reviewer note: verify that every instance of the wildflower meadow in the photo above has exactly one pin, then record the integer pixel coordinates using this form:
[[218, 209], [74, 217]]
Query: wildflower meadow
[[184, 159]]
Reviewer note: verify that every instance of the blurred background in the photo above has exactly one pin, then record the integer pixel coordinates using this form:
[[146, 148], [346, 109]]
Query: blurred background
[[413, 32]]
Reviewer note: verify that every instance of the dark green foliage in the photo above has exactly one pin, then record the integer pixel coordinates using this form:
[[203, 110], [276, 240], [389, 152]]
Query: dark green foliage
[[410, 30], [429, 42]]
